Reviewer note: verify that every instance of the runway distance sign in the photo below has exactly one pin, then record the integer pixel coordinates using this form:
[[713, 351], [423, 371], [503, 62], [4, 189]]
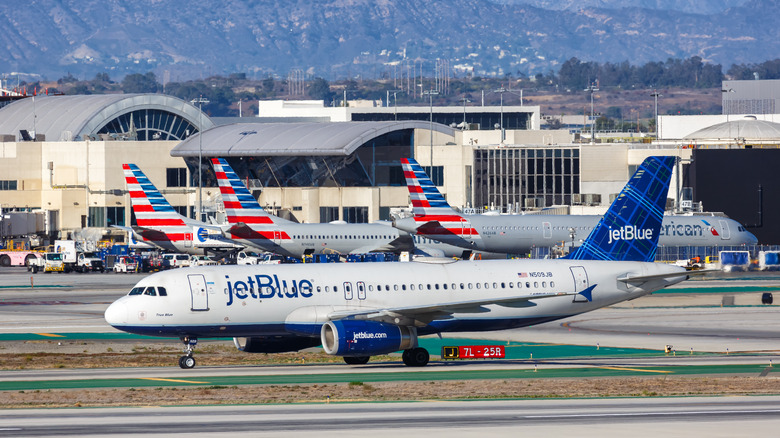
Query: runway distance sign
[[473, 352]]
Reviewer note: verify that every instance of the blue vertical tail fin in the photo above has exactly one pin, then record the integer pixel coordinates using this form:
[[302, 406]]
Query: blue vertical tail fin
[[630, 229]]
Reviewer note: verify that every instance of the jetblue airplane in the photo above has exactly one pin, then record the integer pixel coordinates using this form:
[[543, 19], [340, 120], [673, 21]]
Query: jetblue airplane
[[252, 226], [512, 234], [360, 310], [160, 225]]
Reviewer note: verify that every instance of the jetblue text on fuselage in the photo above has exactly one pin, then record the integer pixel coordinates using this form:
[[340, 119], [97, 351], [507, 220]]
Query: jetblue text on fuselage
[[266, 286], [630, 232]]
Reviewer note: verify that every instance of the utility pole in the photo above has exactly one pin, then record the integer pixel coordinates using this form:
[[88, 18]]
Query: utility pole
[[200, 101]]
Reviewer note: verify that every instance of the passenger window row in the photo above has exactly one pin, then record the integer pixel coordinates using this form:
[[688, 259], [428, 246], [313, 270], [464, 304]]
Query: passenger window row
[[342, 237], [445, 286]]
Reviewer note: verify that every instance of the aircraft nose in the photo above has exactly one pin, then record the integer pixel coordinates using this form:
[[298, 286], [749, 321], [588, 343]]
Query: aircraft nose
[[751, 239], [116, 314]]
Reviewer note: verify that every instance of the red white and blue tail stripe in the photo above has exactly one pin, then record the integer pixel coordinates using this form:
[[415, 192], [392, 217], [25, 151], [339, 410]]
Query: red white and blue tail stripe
[[250, 221], [431, 210], [240, 205], [152, 210]]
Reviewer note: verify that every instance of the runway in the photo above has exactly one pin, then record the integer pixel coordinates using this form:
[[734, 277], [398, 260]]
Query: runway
[[742, 339], [636, 417]]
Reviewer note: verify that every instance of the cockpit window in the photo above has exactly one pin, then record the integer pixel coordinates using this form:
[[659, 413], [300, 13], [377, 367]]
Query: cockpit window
[[150, 291]]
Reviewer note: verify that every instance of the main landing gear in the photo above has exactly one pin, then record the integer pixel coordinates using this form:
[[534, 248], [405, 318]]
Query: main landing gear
[[187, 361], [415, 357]]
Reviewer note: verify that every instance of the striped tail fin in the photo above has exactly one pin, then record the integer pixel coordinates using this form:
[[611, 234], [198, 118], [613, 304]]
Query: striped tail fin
[[630, 229], [240, 205], [152, 210], [431, 211]]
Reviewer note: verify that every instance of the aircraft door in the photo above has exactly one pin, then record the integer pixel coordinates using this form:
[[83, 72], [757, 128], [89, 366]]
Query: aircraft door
[[547, 230], [466, 230], [580, 283], [361, 287], [188, 240], [277, 237], [725, 232], [348, 291], [200, 298]]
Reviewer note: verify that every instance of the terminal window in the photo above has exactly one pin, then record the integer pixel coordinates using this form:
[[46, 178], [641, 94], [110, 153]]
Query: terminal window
[[176, 176], [436, 173], [355, 215], [7, 184]]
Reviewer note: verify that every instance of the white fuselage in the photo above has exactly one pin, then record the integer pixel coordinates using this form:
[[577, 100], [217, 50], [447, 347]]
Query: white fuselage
[[515, 234], [258, 300]]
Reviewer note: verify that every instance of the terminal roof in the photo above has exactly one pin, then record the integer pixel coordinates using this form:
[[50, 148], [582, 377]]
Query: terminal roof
[[292, 139]]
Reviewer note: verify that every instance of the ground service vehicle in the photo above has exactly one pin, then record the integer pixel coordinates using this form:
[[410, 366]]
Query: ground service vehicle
[[199, 260], [49, 262], [126, 264], [89, 261], [175, 261]]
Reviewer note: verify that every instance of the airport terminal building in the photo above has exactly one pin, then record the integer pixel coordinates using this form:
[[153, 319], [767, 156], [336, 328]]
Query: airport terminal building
[[64, 154]]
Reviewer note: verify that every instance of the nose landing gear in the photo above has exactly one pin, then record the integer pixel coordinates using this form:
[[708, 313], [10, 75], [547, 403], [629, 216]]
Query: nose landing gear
[[187, 361]]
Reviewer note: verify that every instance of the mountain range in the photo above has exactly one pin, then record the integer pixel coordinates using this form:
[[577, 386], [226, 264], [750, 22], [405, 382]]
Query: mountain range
[[372, 38]]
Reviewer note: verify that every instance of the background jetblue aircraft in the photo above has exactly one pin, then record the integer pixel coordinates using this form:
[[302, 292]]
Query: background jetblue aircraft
[[435, 219], [360, 310], [160, 225], [252, 226]]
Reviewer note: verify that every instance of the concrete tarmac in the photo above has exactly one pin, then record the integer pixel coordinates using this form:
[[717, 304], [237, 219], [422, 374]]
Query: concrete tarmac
[[635, 417]]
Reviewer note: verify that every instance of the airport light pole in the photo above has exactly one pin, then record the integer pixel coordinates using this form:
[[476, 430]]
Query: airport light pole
[[725, 110], [465, 100], [592, 88], [395, 101], [430, 93], [200, 101], [656, 95], [501, 91]]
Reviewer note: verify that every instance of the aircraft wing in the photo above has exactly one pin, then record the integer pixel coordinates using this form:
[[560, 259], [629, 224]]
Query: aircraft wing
[[401, 243], [422, 315]]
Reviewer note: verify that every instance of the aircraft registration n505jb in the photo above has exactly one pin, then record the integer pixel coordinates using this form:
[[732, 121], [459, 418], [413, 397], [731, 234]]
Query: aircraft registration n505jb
[[357, 310], [160, 225], [252, 226], [513, 234]]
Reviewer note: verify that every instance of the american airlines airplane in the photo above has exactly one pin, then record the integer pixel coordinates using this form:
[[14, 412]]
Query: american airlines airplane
[[366, 309], [513, 234], [160, 225], [252, 226]]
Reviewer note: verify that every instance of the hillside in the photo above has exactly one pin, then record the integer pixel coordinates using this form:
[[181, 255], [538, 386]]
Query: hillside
[[370, 38]]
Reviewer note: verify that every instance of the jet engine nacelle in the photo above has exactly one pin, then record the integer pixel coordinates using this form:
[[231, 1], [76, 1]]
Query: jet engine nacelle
[[365, 338], [275, 344]]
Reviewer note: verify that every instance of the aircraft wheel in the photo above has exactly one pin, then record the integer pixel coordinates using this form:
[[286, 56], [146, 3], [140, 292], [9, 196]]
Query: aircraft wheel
[[356, 360], [415, 357], [187, 362]]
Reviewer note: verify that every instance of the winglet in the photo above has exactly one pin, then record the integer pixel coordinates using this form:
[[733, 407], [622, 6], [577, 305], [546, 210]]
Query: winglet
[[630, 229], [588, 293]]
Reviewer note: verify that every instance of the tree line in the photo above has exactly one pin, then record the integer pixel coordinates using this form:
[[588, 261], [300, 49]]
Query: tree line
[[574, 76]]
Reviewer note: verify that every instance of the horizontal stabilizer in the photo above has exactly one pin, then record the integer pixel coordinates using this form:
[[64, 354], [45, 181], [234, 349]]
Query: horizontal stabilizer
[[644, 278]]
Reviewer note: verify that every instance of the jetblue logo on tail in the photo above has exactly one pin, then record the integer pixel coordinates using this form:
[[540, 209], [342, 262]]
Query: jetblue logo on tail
[[630, 228], [629, 232]]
